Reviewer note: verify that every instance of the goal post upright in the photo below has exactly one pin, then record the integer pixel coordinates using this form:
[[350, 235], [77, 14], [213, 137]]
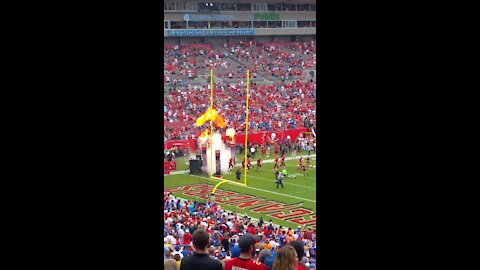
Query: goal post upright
[[246, 127], [222, 181], [211, 121]]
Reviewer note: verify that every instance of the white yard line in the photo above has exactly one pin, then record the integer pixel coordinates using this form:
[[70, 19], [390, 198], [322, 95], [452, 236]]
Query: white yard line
[[264, 190], [273, 180]]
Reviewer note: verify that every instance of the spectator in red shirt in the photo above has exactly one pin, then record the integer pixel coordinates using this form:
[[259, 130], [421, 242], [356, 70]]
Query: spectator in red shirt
[[245, 261], [187, 237], [251, 229]]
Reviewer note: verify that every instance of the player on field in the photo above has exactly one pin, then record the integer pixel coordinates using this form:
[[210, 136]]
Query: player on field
[[294, 151], [249, 164], [230, 164], [276, 151], [304, 168], [300, 164], [259, 164], [264, 150], [275, 166], [282, 163], [243, 163]]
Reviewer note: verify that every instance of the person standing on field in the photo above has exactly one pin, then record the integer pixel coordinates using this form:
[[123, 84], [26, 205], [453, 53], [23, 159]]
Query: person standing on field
[[279, 178], [238, 173]]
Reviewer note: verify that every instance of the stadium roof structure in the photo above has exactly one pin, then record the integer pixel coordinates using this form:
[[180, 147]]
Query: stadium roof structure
[[252, 1], [271, 1]]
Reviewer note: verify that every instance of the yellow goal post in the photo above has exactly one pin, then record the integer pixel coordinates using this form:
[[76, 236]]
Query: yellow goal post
[[222, 181]]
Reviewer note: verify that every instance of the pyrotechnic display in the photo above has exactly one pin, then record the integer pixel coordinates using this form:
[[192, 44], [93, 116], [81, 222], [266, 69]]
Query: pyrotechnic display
[[211, 114], [225, 152], [230, 133]]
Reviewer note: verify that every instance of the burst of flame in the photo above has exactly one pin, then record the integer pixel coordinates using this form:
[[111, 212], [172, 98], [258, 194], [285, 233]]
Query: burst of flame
[[211, 114], [231, 133], [220, 122], [204, 133], [204, 136]]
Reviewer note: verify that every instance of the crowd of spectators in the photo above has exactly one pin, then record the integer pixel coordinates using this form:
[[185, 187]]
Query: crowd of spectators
[[276, 60], [204, 234], [273, 60], [271, 108], [288, 102]]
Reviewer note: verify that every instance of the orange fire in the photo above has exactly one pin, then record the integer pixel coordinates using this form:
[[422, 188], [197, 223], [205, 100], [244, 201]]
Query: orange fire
[[220, 122], [211, 114], [204, 134]]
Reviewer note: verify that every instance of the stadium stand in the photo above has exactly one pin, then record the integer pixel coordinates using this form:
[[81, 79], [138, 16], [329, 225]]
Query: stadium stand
[[291, 98], [183, 217]]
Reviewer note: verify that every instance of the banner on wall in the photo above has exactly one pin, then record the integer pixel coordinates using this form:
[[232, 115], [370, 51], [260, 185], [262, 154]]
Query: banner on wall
[[207, 18], [211, 32], [261, 137]]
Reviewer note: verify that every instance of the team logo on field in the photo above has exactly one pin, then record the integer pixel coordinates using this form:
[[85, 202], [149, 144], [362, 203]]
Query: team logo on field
[[293, 213]]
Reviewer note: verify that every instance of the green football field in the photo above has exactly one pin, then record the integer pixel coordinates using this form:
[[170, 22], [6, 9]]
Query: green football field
[[299, 190]]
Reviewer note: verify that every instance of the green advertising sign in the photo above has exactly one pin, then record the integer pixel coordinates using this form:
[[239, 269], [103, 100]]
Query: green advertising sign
[[267, 16]]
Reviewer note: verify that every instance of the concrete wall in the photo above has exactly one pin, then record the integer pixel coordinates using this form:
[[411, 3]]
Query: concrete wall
[[218, 41], [250, 15]]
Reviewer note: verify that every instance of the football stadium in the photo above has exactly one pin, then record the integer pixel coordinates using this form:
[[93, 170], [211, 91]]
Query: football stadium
[[240, 137]]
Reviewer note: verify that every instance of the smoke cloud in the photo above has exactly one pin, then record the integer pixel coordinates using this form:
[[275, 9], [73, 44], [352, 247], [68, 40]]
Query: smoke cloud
[[225, 154]]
